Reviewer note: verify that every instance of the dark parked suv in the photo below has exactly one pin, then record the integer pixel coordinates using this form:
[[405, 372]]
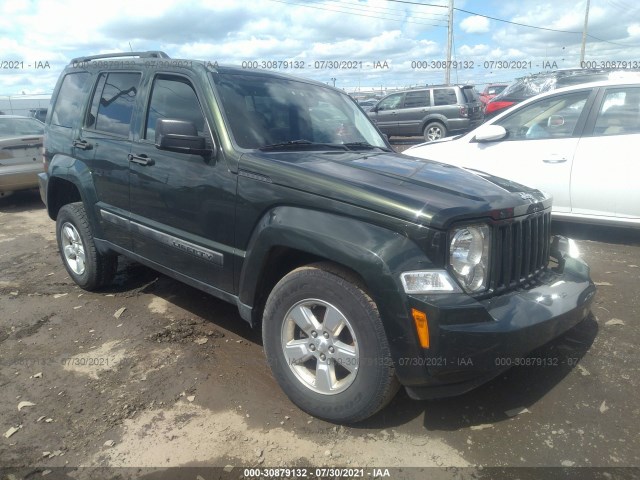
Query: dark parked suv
[[433, 112], [365, 269]]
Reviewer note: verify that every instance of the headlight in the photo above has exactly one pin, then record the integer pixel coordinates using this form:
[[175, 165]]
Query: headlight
[[469, 256]]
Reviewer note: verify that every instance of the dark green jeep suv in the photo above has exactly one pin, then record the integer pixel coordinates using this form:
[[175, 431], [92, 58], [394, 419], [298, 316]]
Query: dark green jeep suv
[[365, 269]]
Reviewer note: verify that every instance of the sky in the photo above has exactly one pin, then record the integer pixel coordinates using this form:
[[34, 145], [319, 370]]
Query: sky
[[374, 43]]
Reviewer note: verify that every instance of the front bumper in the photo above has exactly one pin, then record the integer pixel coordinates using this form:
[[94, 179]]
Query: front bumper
[[472, 341]]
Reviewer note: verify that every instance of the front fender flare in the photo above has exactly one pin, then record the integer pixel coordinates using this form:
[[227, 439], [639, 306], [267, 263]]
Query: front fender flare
[[375, 253]]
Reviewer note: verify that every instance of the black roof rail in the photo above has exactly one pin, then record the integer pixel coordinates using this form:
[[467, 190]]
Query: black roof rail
[[149, 54]]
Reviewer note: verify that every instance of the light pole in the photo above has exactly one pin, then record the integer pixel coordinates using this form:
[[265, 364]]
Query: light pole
[[447, 74], [584, 34]]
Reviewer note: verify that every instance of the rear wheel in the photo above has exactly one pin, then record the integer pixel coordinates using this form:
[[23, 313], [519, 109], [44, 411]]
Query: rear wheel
[[434, 131], [89, 268], [326, 346]]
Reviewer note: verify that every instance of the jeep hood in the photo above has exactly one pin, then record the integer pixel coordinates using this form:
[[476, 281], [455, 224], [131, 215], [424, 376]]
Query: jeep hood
[[421, 191]]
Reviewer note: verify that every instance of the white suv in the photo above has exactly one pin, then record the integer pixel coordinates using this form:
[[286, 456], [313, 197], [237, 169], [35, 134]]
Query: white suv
[[577, 143]]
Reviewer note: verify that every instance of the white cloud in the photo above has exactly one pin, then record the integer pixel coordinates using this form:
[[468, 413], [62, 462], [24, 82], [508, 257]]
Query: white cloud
[[634, 30], [475, 24], [363, 30], [471, 51]]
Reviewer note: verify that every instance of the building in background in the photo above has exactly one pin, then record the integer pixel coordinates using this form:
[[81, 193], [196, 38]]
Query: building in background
[[26, 105]]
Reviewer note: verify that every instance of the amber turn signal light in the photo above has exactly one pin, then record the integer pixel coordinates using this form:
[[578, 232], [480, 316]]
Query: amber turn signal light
[[422, 326]]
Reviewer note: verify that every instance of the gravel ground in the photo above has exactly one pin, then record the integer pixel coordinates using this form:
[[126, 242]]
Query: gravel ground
[[153, 373]]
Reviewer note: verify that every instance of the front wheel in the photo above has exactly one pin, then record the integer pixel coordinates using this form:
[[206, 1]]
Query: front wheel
[[89, 268], [326, 346], [434, 131]]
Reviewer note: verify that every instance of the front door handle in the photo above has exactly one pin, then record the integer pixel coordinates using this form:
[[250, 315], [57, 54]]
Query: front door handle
[[141, 160], [555, 160], [82, 144]]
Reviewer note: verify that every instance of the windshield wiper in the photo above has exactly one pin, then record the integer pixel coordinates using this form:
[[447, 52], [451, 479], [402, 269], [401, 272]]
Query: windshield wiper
[[363, 146], [303, 144]]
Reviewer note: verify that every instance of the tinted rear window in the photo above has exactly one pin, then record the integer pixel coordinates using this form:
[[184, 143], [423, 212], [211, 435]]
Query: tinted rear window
[[17, 127], [496, 89], [470, 95]]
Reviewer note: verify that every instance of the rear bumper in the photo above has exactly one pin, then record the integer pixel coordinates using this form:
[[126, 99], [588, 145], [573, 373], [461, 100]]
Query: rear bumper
[[19, 177], [463, 124], [474, 341]]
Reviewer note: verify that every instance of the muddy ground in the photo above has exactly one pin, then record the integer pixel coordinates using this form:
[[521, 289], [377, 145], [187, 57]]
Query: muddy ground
[[178, 379]]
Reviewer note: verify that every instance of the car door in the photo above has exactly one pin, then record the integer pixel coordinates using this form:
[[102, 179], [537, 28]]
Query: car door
[[104, 143], [539, 147], [385, 113], [604, 180], [415, 107], [182, 204]]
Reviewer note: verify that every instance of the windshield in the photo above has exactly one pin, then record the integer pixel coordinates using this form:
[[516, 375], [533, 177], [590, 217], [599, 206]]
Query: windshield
[[265, 111], [17, 127]]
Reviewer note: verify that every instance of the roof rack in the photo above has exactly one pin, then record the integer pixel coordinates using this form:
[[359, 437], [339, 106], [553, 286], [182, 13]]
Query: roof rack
[[149, 54]]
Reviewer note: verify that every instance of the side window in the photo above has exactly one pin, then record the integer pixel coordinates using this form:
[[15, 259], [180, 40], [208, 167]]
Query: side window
[[69, 100], [444, 96], [173, 97], [553, 117], [417, 99], [391, 102], [619, 113], [113, 101]]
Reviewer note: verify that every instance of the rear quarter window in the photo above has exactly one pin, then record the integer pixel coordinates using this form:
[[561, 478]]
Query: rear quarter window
[[70, 99], [444, 96]]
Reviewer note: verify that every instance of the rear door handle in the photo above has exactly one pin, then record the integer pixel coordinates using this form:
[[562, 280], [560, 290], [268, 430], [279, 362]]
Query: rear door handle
[[141, 160], [82, 144]]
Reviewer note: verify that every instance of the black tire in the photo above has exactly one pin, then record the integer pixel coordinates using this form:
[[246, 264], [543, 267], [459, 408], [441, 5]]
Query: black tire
[[434, 131], [372, 385], [97, 269]]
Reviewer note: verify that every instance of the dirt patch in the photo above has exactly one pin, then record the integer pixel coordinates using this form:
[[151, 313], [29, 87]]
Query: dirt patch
[[187, 433], [184, 331], [92, 362], [31, 329]]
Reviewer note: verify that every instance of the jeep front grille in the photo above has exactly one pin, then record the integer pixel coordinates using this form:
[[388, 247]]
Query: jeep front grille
[[520, 251]]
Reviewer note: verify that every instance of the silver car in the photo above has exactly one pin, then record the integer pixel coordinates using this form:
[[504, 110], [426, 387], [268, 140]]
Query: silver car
[[20, 153]]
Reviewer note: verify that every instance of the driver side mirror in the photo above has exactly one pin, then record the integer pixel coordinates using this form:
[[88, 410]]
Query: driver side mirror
[[180, 136], [490, 133]]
